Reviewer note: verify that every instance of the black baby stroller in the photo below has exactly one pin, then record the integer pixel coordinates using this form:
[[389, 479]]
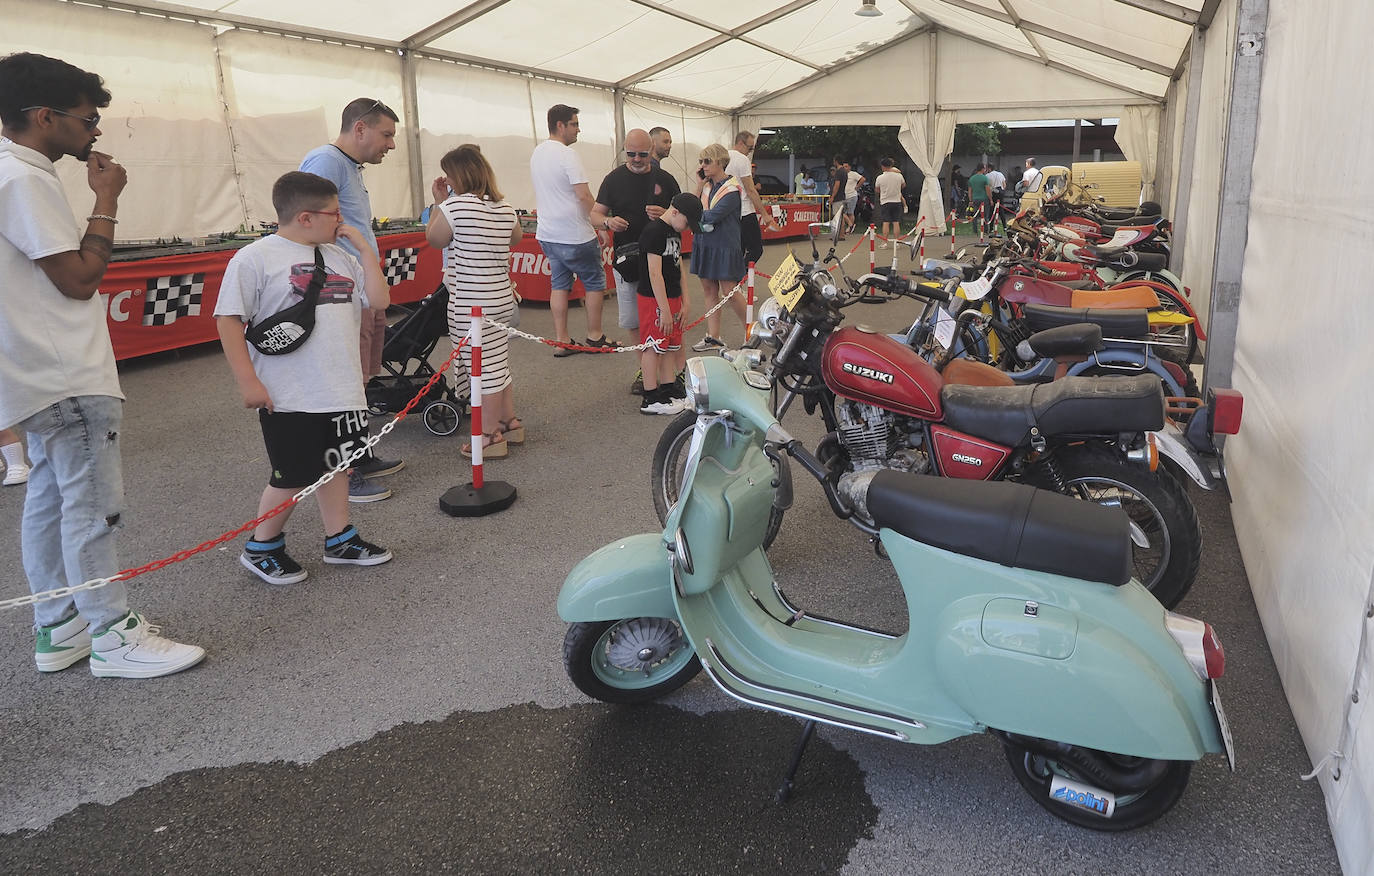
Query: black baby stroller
[[406, 368]]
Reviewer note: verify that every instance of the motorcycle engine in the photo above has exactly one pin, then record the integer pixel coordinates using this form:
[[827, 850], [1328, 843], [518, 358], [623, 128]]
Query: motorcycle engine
[[872, 440]]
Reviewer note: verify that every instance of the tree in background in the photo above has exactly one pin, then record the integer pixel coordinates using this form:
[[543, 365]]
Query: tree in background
[[868, 144], [979, 138]]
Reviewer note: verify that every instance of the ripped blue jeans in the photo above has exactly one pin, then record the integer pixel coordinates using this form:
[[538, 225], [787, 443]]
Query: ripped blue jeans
[[73, 508]]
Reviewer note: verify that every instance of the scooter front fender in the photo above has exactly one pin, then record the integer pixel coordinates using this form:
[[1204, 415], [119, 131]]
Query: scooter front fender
[[631, 577]]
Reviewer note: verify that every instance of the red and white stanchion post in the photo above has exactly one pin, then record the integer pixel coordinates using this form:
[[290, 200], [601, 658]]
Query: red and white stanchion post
[[872, 249], [953, 247], [981, 241], [478, 498], [749, 306], [921, 237]]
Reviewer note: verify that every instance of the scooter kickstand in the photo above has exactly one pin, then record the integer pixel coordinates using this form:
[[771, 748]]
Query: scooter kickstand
[[785, 789]]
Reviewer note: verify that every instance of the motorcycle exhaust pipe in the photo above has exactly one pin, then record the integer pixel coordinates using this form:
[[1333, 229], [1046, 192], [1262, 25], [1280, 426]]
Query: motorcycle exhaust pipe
[[1095, 766]]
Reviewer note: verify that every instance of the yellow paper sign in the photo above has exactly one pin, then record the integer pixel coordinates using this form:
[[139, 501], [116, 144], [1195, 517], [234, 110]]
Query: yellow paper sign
[[784, 284]]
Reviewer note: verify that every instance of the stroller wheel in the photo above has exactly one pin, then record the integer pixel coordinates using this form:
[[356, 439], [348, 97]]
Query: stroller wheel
[[441, 417]]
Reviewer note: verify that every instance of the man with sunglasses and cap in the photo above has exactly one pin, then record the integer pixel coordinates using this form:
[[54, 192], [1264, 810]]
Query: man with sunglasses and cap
[[58, 381], [366, 135], [630, 196]]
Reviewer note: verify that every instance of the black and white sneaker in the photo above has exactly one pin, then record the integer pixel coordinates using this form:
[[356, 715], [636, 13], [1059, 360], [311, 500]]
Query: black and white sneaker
[[348, 548], [660, 401], [270, 562]]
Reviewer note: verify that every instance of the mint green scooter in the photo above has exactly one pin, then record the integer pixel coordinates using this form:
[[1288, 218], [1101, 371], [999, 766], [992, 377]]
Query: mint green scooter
[[1024, 620]]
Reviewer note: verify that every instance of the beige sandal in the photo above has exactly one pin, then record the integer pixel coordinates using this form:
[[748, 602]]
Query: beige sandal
[[493, 446], [513, 434]]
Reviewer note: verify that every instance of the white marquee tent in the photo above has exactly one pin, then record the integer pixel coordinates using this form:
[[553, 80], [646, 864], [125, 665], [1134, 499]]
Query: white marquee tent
[[1227, 104]]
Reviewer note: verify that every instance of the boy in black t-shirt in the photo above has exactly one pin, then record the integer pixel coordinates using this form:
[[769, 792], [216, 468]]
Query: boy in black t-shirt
[[661, 310]]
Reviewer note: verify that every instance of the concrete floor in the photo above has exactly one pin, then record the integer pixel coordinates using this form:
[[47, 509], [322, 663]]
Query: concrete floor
[[417, 716]]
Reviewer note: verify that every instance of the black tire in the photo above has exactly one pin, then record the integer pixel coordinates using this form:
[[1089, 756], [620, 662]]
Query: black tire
[[620, 661], [1035, 772], [1159, 509], [670, 456], [441, 418]]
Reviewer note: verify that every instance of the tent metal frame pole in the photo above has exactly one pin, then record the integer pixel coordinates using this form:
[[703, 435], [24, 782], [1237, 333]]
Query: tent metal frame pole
[[618, 101], [1233, 217], [410, 97], [1188, 151]]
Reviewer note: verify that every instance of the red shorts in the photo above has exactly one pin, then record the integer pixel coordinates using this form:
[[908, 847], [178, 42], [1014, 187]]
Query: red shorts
[[648, 324]]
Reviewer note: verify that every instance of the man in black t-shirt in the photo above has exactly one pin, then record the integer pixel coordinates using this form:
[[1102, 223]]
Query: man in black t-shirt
[[629, 197], [662, 308]]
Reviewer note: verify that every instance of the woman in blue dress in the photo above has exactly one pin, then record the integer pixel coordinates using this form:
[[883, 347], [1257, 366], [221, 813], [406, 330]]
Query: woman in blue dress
[[717, 256]]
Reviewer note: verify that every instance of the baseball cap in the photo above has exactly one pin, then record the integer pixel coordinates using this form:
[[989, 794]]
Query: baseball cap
[[689, 206]]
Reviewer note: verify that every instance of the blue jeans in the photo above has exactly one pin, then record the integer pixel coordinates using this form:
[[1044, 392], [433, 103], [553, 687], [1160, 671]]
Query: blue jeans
[[580, 259], [73, 508]]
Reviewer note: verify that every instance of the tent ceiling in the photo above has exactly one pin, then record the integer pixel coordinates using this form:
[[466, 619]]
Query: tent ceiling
[[725, 54]]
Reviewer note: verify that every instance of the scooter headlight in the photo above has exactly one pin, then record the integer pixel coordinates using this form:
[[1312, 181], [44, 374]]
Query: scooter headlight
[[767, 325], [698, 396]]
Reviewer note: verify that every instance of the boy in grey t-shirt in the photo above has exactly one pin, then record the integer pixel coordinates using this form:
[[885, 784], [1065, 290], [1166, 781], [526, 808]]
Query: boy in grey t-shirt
[[310, 401]]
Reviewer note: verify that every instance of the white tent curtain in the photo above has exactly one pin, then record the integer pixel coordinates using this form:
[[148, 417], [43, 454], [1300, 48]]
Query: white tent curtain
[[1137, 133], [912, 136]]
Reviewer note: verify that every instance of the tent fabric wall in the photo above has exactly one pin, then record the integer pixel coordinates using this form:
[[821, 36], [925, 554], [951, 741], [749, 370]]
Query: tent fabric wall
[[913, 137], [165, 124], [1300, 468], [1137, 133]]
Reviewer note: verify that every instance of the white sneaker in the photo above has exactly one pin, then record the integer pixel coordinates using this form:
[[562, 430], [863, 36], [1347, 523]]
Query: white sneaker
[[62, 644], [16, 474], [133, 648]]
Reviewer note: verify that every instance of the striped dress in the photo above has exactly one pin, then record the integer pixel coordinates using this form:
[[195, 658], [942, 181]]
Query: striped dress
[[477, 274]]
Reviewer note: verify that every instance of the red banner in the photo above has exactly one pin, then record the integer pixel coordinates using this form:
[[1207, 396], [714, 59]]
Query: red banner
[[168, 302]]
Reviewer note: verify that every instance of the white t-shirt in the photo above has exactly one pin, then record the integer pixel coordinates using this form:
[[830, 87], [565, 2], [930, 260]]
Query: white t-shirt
[[997, 179], [554, 170], [851, 185], [325, 374], [51, 347], [739, 167], [1030, 176], [889, 185]]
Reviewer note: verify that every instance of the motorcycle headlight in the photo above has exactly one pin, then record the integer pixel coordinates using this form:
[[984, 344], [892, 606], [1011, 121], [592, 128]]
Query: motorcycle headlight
[[766, 328], [698, 396]]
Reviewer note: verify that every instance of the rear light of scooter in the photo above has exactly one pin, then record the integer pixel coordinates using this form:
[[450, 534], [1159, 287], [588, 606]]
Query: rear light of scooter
[[1226, 406], [1199, 643]]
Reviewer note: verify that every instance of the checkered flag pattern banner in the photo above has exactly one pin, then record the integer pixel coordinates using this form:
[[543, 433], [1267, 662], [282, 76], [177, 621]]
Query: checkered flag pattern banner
[[401, 264], [171, 297]]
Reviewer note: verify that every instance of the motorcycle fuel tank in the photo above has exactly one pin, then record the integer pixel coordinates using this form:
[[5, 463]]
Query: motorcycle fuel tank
[[861, 364]]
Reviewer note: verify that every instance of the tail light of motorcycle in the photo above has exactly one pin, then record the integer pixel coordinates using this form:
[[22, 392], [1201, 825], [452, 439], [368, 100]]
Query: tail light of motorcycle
[[1226, 406], [1199, 642]]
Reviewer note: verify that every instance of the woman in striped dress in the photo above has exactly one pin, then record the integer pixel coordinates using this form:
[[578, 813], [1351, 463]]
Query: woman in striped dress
[[476, 228]]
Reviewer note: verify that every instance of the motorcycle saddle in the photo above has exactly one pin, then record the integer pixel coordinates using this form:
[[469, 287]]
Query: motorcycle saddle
[[1127, 298], [1005, 523], [1133, 323], [1078, 339], [1069, 406]]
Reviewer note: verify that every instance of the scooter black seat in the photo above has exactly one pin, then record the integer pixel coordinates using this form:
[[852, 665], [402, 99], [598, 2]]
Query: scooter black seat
[[1069, 406], [1005, 523], [1114, 323]]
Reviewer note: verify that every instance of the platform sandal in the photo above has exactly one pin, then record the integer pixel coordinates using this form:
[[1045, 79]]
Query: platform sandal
[[494, 446], [513, 434]]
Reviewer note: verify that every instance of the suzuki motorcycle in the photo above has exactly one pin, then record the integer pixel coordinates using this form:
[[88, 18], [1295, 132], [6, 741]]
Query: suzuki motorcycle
[[1023, 619], [884, 407]]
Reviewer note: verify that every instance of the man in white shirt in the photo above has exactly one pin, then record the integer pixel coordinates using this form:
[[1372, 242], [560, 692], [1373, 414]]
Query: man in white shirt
[[1030, 176], [890, 203], [998, 182], [57, 372], [752, 214], [564, 202]]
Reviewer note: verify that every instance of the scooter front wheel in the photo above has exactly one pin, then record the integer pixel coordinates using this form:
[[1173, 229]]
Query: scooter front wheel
[[633, 660], [1136, 808], [670, 463]]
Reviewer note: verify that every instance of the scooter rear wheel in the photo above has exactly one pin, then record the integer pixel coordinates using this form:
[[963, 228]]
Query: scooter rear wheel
[[1036, 771], [633, 660]]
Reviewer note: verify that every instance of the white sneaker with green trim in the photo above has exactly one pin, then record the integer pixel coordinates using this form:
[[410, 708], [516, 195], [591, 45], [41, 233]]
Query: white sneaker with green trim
[[134, 648], [62, 644]]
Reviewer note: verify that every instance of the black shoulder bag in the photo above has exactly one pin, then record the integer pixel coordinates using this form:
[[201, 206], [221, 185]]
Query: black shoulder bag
[[286, 330]]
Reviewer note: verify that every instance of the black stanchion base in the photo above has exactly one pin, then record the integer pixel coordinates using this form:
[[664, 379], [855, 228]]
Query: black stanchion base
[[470, 501]]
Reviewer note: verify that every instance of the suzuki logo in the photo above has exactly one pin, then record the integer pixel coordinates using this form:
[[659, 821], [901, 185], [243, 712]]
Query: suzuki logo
[[967, 460], [865, 371]]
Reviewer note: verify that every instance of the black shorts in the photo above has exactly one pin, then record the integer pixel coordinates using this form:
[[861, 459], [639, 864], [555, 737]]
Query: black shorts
[[301, 447], [890, 212], [750, 238]]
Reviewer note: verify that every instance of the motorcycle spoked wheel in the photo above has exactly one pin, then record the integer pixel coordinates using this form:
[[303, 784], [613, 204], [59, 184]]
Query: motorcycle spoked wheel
[[633, 660], [1158, 507], [670, 461], [1035, 771], [1170, 302]]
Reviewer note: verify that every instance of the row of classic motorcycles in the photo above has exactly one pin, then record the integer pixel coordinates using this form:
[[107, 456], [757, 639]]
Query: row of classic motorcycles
[[1038, 544]]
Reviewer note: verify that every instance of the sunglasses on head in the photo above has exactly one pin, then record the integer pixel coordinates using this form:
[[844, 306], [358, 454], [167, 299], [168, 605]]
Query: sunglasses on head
[[633, 154], [90, 123]]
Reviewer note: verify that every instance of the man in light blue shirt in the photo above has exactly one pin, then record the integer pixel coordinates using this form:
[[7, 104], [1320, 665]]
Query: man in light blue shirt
[[367, 134]]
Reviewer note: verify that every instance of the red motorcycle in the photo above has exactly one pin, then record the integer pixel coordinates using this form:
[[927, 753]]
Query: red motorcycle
[[885, 407]]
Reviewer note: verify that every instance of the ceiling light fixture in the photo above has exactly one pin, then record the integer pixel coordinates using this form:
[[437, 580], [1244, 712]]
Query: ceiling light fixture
[[868, 9]]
